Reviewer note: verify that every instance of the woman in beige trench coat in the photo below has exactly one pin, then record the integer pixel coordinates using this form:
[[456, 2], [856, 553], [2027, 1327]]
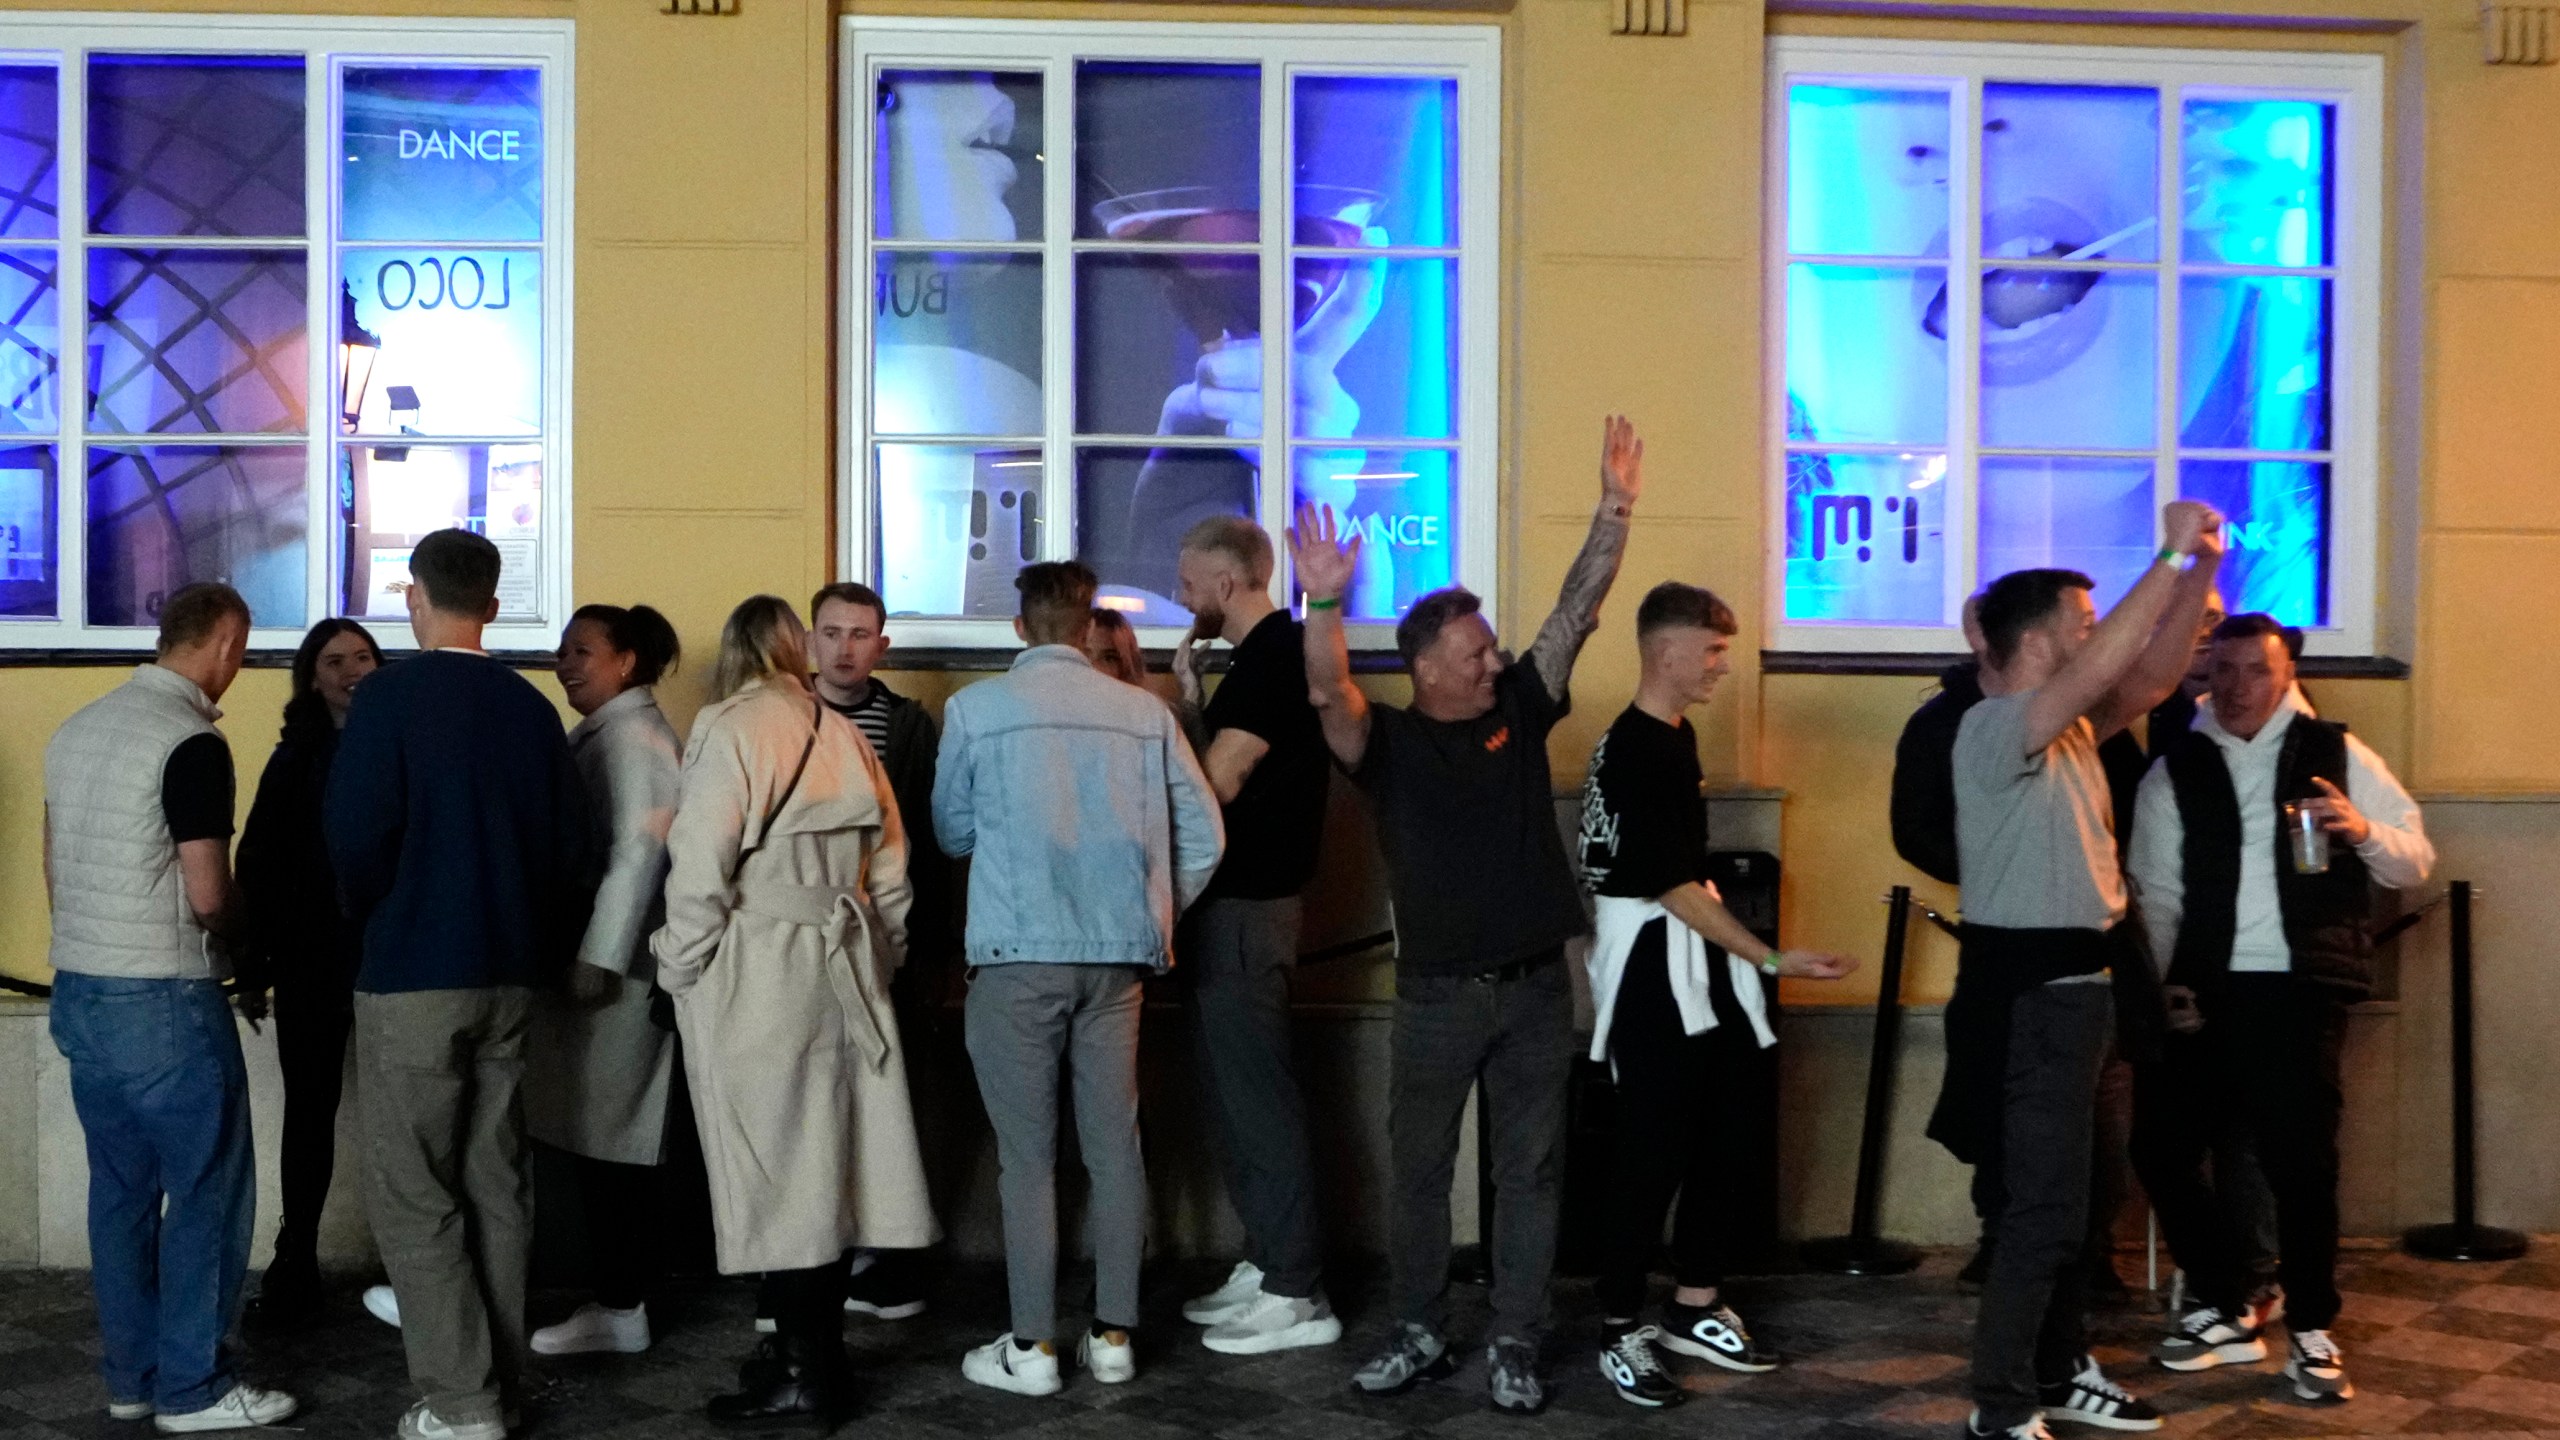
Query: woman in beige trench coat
[[786, 900]]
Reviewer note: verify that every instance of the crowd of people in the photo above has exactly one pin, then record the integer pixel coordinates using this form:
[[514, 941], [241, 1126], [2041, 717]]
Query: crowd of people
[[536, 936]]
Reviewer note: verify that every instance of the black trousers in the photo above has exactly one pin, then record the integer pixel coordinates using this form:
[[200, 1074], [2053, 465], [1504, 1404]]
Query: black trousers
[[313, 1021], [625, 1236], [2263, 1069], [1679, 1129], [807, 1306]]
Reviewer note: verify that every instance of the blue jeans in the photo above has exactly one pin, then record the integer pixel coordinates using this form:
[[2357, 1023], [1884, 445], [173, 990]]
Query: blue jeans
[[163, 1097]]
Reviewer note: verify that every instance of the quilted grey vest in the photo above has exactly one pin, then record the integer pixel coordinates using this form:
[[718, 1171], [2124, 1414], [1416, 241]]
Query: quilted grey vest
[[119, 902]]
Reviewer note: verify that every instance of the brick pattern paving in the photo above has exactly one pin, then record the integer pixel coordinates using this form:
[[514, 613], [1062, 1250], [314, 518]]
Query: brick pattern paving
[[2436, 1349]]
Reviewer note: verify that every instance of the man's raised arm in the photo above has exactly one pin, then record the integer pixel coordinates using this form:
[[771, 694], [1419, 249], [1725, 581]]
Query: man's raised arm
[[2088, 683], [1587, 583], [1325, 560]]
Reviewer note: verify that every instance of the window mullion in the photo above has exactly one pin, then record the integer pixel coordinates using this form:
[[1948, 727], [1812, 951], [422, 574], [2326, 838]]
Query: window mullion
[[1058, 309], [2173, 139], [1279, 232], [71, 228], [1964, 338], [320, 265]]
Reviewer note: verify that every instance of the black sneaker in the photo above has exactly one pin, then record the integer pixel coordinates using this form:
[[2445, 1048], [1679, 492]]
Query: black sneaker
[[2207, 1337], [1413, 1355], [1713, 1333], [1511, 1377], [1633, 1364], [885, 1289], [2090, 1398]]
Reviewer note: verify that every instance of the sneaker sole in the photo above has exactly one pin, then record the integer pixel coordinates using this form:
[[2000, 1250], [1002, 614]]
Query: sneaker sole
[[1683, 1345], [131, 1410], [907, 1311], [1304, 1335], [2239, 1352], [1440, 1369], [1648, 1402], [2315, 1393], [195, 1424], [601, 1347], [1011, 1385], [1199, 1313], [2060, 1414]]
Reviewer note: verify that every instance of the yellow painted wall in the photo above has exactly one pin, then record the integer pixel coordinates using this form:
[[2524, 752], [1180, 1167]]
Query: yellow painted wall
[[704, 376]]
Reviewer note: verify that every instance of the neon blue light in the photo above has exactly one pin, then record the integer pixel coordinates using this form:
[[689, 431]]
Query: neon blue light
[[442, 153], [1866, 538], [1866, 171]]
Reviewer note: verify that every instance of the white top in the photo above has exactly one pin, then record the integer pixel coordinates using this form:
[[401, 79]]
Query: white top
[[1616, 921], [2397, 853]]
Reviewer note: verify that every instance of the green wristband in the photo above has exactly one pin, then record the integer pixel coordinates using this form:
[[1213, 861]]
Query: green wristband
[[1333, 604], [1769, 963], [2168, 556]]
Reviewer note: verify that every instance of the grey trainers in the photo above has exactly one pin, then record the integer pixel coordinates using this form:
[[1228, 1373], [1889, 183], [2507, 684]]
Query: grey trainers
[[1413, 1355], [1511, 1375], [2207, 1337], [2318, 1369]]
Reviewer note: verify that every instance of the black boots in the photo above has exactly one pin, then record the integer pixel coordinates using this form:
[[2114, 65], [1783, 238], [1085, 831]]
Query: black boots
[[791, 1380]]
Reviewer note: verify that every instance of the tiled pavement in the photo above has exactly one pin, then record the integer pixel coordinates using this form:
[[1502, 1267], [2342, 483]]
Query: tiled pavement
[[2437, 1349]]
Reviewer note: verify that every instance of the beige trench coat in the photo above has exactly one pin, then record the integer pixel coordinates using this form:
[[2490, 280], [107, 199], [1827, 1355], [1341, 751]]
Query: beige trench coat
[[779, 965], [597, 1076]]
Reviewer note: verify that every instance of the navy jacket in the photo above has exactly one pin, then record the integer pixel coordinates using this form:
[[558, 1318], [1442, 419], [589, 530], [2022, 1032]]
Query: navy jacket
[[458, 827]]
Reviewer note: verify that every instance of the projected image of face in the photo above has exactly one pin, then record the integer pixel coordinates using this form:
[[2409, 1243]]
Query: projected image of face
[[948, 137]]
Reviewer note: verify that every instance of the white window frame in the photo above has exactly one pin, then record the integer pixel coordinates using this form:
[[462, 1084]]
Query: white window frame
[[1469, 53], [328, 46], [2351, 82]]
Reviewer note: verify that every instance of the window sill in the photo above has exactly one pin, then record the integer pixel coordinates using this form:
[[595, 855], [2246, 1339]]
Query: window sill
[[966, 658], [1814, 662], [255, 660]]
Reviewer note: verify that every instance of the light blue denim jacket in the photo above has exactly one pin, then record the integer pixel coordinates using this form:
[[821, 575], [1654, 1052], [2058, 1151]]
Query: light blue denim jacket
[[1090, 820]]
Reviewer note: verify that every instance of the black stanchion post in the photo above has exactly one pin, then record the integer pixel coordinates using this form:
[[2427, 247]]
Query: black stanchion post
[[1861, 1251], [2465, 1238]]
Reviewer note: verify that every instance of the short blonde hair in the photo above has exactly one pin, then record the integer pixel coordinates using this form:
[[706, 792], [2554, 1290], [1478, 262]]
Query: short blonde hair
[[1238, 539], [763, 638]]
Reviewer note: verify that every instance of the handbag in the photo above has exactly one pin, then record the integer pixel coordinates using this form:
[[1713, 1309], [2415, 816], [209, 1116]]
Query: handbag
[[662, 1006]]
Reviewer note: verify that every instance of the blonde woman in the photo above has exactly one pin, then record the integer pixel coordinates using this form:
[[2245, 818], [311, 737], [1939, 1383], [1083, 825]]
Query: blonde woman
[[787, 901]]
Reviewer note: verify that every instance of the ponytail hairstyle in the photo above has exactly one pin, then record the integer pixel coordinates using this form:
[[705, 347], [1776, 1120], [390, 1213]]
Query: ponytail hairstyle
[[639, 632]]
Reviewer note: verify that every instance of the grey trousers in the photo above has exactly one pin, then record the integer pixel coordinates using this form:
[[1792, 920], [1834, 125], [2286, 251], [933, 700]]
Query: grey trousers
[[2030, 1327], [1022, 1020], [1238, 955], [1516, 1036], [446, 1185]]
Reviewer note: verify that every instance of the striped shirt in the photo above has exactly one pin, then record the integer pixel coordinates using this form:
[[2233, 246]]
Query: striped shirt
[[870, 715]]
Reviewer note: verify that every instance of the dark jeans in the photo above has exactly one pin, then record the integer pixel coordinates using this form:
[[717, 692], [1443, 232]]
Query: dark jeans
[[2029, 1328], [163, 1100], [1678, 1129], [313, 1023], [626, 1238], [1238, 955], [448, 1190], [1516, 1037], [2264, 1069]]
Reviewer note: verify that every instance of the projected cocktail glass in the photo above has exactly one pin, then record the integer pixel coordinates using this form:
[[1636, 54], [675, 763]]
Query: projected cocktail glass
[[1220, 300]]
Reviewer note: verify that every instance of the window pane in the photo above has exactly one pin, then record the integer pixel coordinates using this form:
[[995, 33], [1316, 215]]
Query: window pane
[[2278, 533], [457, 337], [195, 145], [1134, 505], [30, 342], [2254, 363], [1866, 171], [1866, 538], [1866, 355], [960, 155], [1378, 152], [2070, 172], [1168, 344], [1377, 349], [166, 516], [403, 493], [1163, 148], [956, 345], [2070, 358], [2094, 516], [30, 123], [1404, 504], [442, 153], [29, 562], [2258, 181], [204, 341], [954, 525]]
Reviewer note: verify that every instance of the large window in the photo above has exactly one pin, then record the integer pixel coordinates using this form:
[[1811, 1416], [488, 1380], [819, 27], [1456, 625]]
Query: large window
[[309, 277], [1104, 281], [2024, 295]]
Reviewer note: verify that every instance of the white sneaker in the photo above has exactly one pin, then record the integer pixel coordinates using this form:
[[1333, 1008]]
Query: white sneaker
[[246, 1408], [1110, 1364], [130, 1409], [1243, 1287], [1274, 1322], [596, 1329], [383, 1303], [1000, 1366], [421, 1423]]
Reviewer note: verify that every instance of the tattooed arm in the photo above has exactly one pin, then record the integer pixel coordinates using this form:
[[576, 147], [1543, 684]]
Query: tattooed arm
[[1586, 584]]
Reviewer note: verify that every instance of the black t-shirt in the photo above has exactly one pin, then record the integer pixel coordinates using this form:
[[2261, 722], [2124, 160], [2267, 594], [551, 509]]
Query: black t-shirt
[[1277, 817], [1466, 816], [1644, 821], [196, 789]]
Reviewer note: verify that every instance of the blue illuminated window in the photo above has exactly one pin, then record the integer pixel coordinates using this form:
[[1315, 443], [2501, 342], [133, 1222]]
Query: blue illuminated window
[[1088, 359], [2030, 294], [307, 298]]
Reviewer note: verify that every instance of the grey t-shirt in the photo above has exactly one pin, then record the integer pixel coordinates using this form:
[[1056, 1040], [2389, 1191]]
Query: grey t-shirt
[[2035, 831]]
